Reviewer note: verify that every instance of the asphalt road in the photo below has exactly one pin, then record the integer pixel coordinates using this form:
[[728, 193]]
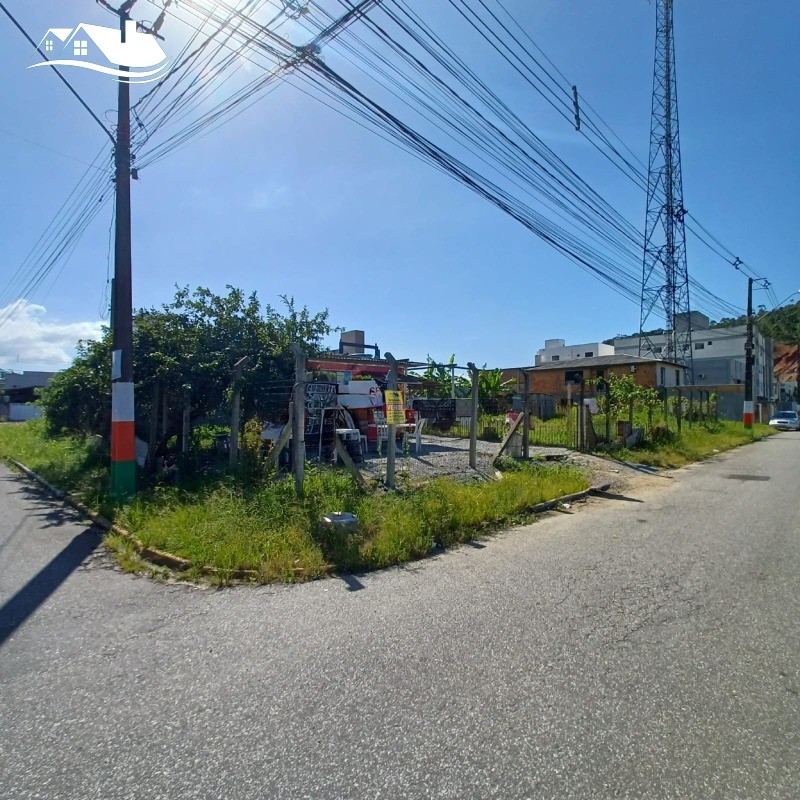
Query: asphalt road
[[641, 647]]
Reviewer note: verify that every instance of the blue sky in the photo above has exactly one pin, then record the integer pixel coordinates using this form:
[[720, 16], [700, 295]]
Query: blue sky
[[290, 198]]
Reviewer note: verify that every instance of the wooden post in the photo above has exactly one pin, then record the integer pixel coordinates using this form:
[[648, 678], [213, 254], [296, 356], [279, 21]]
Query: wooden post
[[569, 411], [164, 415], [391, 437], [235, 409], [679, 406], [526, 412], [283, 439], [187, 417], [512, 431], [608, 412], [153, 437], [582, 418], [299, 419], [473, 427], [691, 406], [341, 451]]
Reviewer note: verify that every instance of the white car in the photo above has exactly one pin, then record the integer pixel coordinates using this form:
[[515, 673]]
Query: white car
[[785, 420]]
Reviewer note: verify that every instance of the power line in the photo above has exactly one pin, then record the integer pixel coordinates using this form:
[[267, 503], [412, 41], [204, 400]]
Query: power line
[[57, 71]]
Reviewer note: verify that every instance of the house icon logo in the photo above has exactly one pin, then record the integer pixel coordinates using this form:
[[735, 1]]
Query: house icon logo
[[87, 46]]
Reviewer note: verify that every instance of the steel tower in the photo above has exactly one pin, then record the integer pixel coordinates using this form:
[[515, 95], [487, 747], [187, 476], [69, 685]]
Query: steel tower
[[665, 277]]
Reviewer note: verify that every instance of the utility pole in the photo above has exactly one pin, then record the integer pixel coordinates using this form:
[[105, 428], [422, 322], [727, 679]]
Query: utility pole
[[123, 435], [123, 448], [747, 410]]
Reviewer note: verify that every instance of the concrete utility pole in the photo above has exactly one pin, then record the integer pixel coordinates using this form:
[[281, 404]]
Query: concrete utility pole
[[123, 436], [123, 457], [747, 410]]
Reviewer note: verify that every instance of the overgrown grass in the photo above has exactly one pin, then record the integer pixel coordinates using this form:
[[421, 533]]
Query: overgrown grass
[[694, 443], [232, 524], [72, 463]]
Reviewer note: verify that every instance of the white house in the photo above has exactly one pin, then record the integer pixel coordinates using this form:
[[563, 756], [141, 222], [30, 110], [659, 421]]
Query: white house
[[558, 350]]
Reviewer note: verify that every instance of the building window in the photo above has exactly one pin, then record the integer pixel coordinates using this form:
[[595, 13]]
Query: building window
[[556, 358], [710, 343], [699, 346], [48, 45], [663, 376], [81, 47], [589, 354], [658, 349]]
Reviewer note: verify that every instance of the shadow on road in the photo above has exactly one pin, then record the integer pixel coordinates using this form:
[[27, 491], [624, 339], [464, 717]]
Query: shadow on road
[[353, 583], [612, 496], [35, 592]]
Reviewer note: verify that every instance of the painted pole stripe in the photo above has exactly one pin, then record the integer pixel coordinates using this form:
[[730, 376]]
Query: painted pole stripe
[[123, 480], [123, 446], [747, 414], [122, 402]]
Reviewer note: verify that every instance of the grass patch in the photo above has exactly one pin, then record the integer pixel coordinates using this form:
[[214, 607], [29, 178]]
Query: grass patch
[[693, 443], [72, 463], [231, 523]]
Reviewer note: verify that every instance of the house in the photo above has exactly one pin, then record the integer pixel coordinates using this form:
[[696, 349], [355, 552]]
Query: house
[[558, 350], [553, 378], [718, 354], [19, 388]]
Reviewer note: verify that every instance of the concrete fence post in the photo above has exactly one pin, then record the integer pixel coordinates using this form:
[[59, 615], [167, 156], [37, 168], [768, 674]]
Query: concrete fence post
[[473, 428]]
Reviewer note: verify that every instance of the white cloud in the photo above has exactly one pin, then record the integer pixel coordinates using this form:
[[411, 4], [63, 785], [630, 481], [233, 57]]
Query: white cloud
[[29, 336]]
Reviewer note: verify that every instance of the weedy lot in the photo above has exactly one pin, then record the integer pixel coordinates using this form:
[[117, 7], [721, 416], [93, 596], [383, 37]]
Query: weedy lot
[[254, 521]]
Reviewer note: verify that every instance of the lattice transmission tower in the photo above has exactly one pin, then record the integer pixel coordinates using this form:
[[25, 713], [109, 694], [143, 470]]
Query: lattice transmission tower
[[665, 277]]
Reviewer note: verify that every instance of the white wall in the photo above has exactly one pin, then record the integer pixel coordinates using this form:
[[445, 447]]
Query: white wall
[[567, 352]]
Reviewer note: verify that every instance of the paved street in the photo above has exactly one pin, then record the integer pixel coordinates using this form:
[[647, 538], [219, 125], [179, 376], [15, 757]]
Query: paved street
[[646, 646]]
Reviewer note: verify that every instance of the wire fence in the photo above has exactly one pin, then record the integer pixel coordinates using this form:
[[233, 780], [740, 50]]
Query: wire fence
[[557, 420]]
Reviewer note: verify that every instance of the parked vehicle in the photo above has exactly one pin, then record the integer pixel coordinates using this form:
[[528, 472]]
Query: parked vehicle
[[785, 420]]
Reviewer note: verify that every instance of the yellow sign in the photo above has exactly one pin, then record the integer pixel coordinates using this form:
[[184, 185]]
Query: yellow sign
[[395, 408]]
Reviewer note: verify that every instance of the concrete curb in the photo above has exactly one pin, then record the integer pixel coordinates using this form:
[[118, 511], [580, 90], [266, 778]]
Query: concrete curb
[[160, 558], [568, 498], [157, 557]]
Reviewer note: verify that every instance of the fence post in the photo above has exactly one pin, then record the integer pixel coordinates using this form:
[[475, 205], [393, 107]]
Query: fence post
[[691, 406], [569, 412], [299, 419], [473, 427], [186, 423], [679, 406], [391, 438], [233, 456], [153, 437], [526, 422], [582, 418]]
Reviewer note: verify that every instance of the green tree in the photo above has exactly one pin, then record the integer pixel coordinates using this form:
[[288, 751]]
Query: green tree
[[190, 347]]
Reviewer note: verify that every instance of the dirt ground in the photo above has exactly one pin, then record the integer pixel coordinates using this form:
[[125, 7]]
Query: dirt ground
[[445, 456]]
